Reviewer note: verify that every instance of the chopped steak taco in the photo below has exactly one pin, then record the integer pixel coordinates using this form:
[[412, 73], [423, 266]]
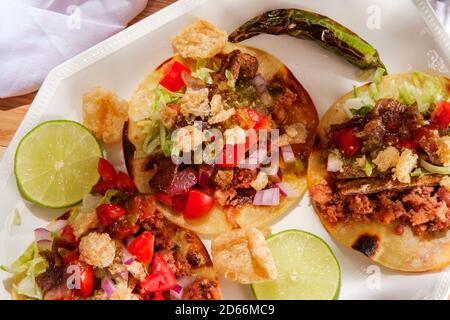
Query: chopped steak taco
[[117, 246], [214, 106], [379, 176]]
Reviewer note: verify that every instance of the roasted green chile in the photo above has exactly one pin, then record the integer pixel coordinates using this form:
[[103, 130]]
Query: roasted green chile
[[312, 26]]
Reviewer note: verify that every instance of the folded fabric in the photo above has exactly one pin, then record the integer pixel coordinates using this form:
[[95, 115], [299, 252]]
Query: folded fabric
[[37, 35]]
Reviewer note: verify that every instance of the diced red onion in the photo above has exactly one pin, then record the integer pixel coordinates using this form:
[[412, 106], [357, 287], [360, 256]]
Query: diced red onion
[[177, 293], [185, 281], [204, 174], [45, 245], [42, 234], [267, 197], [127, 257], [124, 275], [57, 225], [287, 190], [259, 83], [288, 154], [334, 164], [108, 286], [182, 283]]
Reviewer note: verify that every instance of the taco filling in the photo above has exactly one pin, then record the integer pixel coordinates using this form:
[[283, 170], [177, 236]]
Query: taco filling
[[389, 163], [207, 137]]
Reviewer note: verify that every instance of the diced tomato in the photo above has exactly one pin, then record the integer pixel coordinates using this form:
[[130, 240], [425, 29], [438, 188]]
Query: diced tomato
[[254, 115], [67, 235], [410, 144], [441, 114], [231, 155], [86, 279], [106, 170], [162, 277], [158, 296], [173, 80], [164, 198], [175, 107], [108, 177], [70, 257], [142, 247], [179, 202], [198, 204], [263, 124], [109, 212], [125, 183], [347, 142], [103, 186]]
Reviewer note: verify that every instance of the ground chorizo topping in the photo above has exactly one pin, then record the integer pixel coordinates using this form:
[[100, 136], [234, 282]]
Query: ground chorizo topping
[[424, 209]]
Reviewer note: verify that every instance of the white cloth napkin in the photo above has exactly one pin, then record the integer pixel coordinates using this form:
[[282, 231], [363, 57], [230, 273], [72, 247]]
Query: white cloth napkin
[[37, 35]]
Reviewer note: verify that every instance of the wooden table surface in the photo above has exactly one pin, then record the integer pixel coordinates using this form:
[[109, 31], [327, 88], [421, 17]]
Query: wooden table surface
[[12, 110]]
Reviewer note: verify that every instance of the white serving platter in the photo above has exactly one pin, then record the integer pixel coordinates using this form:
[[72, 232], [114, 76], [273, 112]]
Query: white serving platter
[[406, 33]]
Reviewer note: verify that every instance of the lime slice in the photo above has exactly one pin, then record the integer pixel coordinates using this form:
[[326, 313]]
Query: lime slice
[[56, 163], [307, 269]]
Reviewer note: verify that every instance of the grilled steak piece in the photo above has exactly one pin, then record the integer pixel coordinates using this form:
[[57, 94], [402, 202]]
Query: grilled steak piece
[[375, 185], [241, 65], [170, 180]]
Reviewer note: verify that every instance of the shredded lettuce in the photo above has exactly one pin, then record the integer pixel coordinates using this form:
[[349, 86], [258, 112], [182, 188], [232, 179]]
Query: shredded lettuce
[[16, 219], [364, 110], [165, 141], [368, 168], [419, 172], [360, 105], [202, 72], [231, 83], [378, 75], [355, 92], [109, 195], [162, 98], [29, 265], [150, 145]]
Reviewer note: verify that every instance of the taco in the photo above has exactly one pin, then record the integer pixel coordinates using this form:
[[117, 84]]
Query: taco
[[379, 173], [211, 85], [114, 247]]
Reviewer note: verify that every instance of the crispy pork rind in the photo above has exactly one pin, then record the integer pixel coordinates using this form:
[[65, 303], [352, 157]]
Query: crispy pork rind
[[242, 255], [104, 113], [200, 40]]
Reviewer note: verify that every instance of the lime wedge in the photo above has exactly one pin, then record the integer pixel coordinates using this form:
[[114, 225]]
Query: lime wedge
[[307, 269], [56, 163]]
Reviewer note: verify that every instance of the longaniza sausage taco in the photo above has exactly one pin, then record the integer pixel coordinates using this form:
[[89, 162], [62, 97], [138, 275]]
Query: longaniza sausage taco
[[211, 85], [378, 176]]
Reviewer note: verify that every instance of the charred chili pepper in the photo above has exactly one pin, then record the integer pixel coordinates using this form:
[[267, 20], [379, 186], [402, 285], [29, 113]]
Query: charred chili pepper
[[312, 26]]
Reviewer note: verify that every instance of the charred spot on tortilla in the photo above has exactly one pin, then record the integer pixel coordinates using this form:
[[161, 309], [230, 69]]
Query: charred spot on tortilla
[[367, 244]]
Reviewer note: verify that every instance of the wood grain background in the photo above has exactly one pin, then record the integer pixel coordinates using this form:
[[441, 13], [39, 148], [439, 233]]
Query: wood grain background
[[12, 110]]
